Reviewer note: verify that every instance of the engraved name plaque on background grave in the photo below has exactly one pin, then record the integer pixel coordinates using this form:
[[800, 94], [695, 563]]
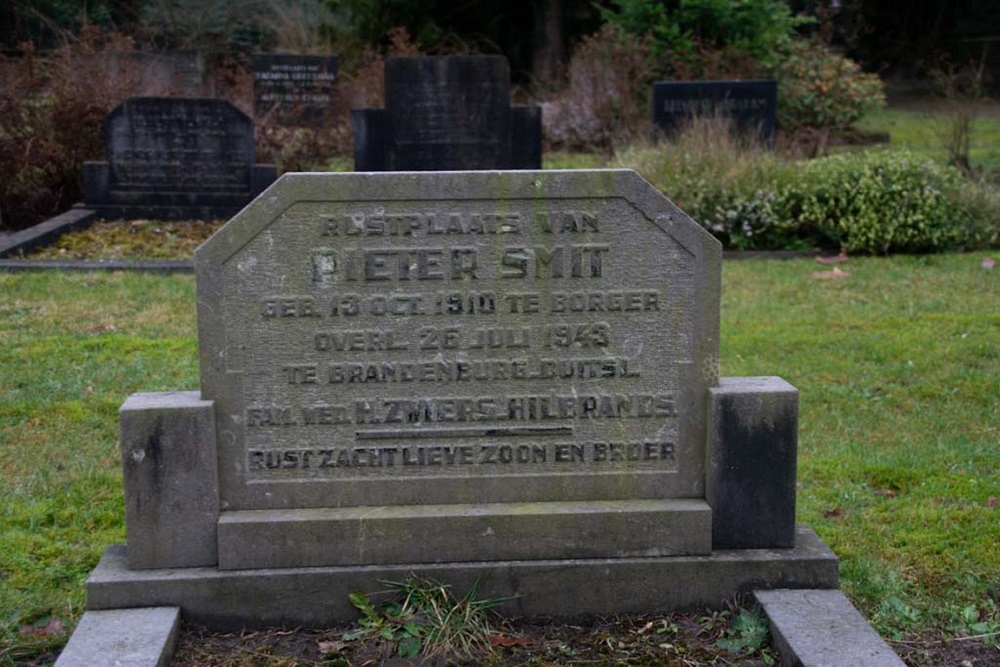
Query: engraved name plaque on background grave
[[751, 105], [458, 338], [293, 84]]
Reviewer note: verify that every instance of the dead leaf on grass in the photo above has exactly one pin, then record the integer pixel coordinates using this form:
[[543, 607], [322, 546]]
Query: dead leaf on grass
[[45, 627], [888, 493], [988, 263], [510, 641], [835, 259], [834, 513], [832, 273], [992, 501], [331, 647]]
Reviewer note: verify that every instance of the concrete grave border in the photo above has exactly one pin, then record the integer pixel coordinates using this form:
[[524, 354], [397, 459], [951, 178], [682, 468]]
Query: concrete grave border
[[811, 627]]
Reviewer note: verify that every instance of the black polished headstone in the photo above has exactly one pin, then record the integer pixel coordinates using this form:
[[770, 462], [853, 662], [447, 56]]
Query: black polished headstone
[[175, 158], [295, 86], [752, 105], [447, 113]]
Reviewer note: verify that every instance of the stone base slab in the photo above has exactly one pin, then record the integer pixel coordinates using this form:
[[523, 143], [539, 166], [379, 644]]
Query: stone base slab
[[459, 533], [822, 627], [317, 596], [123, 637]]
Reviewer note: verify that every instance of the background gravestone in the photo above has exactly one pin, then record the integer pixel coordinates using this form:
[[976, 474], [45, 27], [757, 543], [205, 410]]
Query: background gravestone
[[174, 158], [447, 113], [752, 105], [297, 87]]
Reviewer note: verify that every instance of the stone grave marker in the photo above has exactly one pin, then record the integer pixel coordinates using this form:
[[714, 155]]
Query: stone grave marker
[[297, 87], [447, 113], [752, 105], [175, 158], [509, 377]]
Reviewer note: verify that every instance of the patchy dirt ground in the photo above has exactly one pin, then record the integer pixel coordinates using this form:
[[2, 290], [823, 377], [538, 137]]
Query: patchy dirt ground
[[677, 639], [682, 640]]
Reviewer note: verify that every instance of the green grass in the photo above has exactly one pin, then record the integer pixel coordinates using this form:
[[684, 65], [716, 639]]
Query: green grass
[[899, 454], [921, 132]]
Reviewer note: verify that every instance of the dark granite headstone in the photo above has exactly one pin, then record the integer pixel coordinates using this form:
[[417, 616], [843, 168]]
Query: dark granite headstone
[[295, 86], [175, 158], [751, 104], [447, 113]]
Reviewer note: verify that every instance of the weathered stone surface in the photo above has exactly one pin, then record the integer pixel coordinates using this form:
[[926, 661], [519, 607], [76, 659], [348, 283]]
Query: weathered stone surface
[[457, 532], [751, 105], [295, 86], [434, 338], [447, 113], [175, 157], [821, 628], [560, 588], [143, 637], [752, 460], [170, 479]]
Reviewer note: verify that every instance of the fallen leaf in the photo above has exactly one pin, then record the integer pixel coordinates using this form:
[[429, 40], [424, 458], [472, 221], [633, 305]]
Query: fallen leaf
[[510, 641], [45, 627], [988, 263], [833, 273], [330, 647], [992, 502], [888, 493], [836, 259], [645, 628], [834, 513]]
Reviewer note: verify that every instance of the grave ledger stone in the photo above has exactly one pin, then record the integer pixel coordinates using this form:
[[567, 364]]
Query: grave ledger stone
[[171, 157], [297, 87], [751, 105], [506, 376], [447, 113]]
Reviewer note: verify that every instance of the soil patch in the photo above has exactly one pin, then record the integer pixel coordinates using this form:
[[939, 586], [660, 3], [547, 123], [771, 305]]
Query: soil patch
[[675, 639]]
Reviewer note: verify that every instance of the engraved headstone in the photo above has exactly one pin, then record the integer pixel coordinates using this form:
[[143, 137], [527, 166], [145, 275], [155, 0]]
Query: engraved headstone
[[447, 113], [175, 157], [297, 87], [503, 377], [752, 105]]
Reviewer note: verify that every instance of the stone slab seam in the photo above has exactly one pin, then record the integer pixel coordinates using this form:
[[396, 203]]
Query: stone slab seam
[[141, 637], [821, 628]]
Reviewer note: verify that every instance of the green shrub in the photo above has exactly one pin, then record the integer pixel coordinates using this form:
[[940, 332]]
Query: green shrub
[[863, 203], [762, 28], [882, 202], [818, 88]]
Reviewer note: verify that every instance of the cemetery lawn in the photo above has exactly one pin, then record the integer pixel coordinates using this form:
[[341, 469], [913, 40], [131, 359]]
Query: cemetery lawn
[[924, 132], [897, 361]]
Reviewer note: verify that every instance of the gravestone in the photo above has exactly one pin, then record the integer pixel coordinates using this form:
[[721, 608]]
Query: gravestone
[[503, 377], [171, 158], [751, 105], [296, 87], [447, 113]]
